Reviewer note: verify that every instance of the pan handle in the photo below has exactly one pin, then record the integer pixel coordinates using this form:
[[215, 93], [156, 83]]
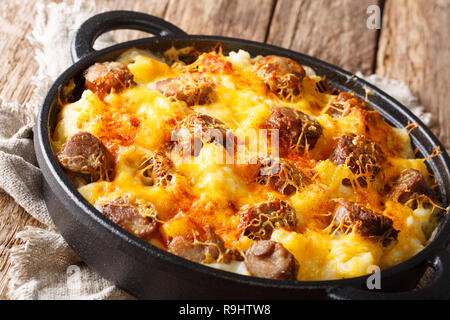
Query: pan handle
[[439, 288], [92, 28]]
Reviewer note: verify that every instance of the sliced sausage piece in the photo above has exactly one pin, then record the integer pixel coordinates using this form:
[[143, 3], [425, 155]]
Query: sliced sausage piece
[[103, 78], [282, 76], [258, 221], [84, 153], [196, 129], [344, 103], [366, 222], [281, 176], [157, 169], [408, 185], [269, 259], [209, 250], [138, 220], [362, 156], [189, 87], [296, 129]]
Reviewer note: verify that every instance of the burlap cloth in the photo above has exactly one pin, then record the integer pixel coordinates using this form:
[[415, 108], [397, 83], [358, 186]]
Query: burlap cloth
[[43, 266]]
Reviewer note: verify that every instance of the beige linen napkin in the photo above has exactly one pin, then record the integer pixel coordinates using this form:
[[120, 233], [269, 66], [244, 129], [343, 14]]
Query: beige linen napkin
[[44, 267]]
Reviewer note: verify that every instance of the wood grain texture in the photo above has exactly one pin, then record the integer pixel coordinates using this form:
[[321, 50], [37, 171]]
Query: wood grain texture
[[331, 30], [414, 48], [247, 19], [17, 64], [154, 7]]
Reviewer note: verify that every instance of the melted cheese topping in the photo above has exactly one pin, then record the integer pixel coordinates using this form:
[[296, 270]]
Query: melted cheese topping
[[136, 121]]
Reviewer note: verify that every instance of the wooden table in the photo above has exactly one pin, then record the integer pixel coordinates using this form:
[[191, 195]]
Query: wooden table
[[412, 46]]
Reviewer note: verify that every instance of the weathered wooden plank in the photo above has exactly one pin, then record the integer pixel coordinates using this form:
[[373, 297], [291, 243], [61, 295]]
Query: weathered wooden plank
[[414, 48], [332, 30], [154, 7], [246, 19]]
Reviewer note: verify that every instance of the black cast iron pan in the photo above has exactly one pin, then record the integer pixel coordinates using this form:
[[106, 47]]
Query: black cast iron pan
[[148, 272]]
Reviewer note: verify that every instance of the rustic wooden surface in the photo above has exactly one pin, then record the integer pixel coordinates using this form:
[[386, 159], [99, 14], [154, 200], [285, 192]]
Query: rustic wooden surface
[[330, 30], [412, 47]]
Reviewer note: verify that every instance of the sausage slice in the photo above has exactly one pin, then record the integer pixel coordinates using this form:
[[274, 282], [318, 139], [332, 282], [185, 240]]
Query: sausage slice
[[281, 176], [189, 87], [344, 103], [258, 221], [103, 78], [368, 223], [196, 129], [296, 129], [84, 153], [408, 185], [269, 259], [362, 156], [157, 169], [210, 250], [282, 76], [138, 220]]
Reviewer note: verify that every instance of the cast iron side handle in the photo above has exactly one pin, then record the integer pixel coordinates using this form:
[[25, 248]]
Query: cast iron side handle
[[439, 288], [92, 28]]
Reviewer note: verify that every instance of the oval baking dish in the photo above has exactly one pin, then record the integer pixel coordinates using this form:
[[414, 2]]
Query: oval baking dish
[[148, 272]]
